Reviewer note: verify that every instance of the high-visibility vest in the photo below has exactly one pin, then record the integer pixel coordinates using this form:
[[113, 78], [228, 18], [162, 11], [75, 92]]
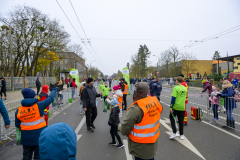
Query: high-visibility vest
[[120, 100], [30, 118], [147, 131], [125, 89]]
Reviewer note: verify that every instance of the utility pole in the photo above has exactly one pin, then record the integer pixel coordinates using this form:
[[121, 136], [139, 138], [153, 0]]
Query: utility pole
[[11, 63]]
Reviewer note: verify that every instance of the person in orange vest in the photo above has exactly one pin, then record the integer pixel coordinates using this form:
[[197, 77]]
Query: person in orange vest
[[142, 123], [186, 102], [42, 96], [124, 86], [30, 119]]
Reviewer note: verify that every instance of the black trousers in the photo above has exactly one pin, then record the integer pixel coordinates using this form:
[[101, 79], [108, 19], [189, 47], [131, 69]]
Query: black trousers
[[114, 133], [158, 97], [3, 91], [91, 115], [180, 115], [124, 101], [38, 90], [28, 152]]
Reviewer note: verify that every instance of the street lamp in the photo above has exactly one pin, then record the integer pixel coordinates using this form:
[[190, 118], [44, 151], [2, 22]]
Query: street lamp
[[10, 43], [158, 64], [90, 67]]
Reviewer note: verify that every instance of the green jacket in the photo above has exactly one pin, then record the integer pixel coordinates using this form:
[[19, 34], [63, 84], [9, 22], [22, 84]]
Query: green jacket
[[101, 87], [144, 151], [105, 91]]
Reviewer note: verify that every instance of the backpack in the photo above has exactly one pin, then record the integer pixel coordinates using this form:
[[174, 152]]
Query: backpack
[[71, 84]]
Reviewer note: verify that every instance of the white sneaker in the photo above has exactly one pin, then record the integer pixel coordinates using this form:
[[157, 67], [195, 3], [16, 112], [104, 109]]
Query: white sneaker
[[174, 135], [182, 137]]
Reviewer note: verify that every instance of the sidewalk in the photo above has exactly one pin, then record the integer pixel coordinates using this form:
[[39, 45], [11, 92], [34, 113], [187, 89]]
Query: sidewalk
[[17, 94]]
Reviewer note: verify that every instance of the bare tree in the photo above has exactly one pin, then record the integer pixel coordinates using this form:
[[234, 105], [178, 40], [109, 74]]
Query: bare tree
[[166, 59], [176, 57], [188, 62]]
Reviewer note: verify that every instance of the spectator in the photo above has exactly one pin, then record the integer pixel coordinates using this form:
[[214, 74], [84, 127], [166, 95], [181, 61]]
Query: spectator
[[68, 82], [177, 107], [3, 88], [134, 82], [171, 82], [4, 114], [42, 96], [89, 104], [80, 94], [187, 81], [142, 147], [38, 85], [124, 87], [30, 119], [139, 79], [215, 101], [73, 87], [208, 87], [58, 142], [110, 82], [229, 103], [145, 79], [131, 83], [150, 84], [235, 82]]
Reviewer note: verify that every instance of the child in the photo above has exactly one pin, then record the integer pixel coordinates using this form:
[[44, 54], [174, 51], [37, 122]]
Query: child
[[101, 88], [105, 91], [114, 122], [215, 101], [42, 96], [118, 95], [80, 94]]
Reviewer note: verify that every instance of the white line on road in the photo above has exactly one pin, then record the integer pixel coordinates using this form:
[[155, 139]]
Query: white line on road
[[79, 127], [129, 156]]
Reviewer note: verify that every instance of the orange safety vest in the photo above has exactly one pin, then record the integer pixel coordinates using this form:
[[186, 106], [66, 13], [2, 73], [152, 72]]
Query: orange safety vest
[[30, 118], [126, 89], [185, 85], [147, 131], [120, 100]]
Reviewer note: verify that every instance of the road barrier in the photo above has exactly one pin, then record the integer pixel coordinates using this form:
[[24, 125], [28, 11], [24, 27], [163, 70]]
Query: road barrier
[[60, 99], [224, 111]]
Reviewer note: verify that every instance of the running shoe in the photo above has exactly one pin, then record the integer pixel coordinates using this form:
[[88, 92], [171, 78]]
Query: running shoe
[[120, 145], [112, 144]]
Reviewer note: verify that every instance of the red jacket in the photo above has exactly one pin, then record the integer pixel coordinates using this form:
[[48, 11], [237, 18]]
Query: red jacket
[[74, 84], [185, 85], [44, 94]]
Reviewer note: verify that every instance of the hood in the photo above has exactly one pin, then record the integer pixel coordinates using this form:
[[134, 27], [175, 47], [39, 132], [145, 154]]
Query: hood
[[59, 141], [29, 102], [125, 82], [88, 86], [116, 108], [119, 93], [45, 89]]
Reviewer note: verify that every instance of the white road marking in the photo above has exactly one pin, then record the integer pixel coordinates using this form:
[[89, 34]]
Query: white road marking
[[184, 142], [79, 127], [129, 156]]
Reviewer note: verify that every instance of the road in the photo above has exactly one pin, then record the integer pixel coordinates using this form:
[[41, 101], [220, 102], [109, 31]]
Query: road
[[202, 140]]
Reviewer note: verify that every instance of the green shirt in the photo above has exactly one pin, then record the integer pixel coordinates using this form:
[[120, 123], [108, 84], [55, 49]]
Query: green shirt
[[105, 91], [101, 87], [180, 92]]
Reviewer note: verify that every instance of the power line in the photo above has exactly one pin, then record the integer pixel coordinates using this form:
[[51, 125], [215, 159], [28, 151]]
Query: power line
[[85, 34], [75, 29]]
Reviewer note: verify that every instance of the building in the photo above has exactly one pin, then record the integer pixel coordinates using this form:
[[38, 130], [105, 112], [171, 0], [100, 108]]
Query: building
[[223, 66], [69, 60], [235, 60]]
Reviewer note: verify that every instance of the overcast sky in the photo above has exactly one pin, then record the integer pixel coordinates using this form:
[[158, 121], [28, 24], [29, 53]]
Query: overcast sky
[[157, 23]]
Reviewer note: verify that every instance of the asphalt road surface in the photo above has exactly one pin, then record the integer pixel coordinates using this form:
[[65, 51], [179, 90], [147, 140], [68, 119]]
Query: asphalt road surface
[[202, 140]]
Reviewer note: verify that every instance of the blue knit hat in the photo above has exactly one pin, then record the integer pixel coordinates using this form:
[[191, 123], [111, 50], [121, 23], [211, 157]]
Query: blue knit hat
[[28, 93], [114, 102]]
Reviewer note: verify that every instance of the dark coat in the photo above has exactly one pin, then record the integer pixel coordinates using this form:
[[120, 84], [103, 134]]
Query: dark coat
[[89, 96], [156, 89], [114, 117], [38, 83], [229, 102], [3, 85]]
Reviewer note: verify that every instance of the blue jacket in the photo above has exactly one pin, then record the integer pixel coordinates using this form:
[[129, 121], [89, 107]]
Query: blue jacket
[[58, 141], [30, 137], [150, 85], [229, 102], [156, 89], [134, 80], [4, 113]]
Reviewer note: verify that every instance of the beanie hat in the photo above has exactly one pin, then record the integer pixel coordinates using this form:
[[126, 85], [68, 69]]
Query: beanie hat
[[28, 93], [45, 89], [116, 88], [89, 80], [114, 102], [181, 75], [142, 90]]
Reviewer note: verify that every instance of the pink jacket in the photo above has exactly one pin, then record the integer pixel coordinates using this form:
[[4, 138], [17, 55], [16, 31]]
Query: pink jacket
[[214, 99]]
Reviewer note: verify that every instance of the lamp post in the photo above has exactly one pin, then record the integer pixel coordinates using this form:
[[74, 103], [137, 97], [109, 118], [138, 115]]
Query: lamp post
[[158, 63], [90, 67], [11, 56]]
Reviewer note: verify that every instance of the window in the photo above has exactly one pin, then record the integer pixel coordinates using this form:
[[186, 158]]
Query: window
[[65, 67], [65, 60], [61, 67], [238, 58], [235, 67], [238, 64]]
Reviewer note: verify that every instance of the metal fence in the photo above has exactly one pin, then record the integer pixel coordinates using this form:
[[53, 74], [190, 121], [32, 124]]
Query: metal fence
[[221, 115], [17, 81], [61, 98]]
